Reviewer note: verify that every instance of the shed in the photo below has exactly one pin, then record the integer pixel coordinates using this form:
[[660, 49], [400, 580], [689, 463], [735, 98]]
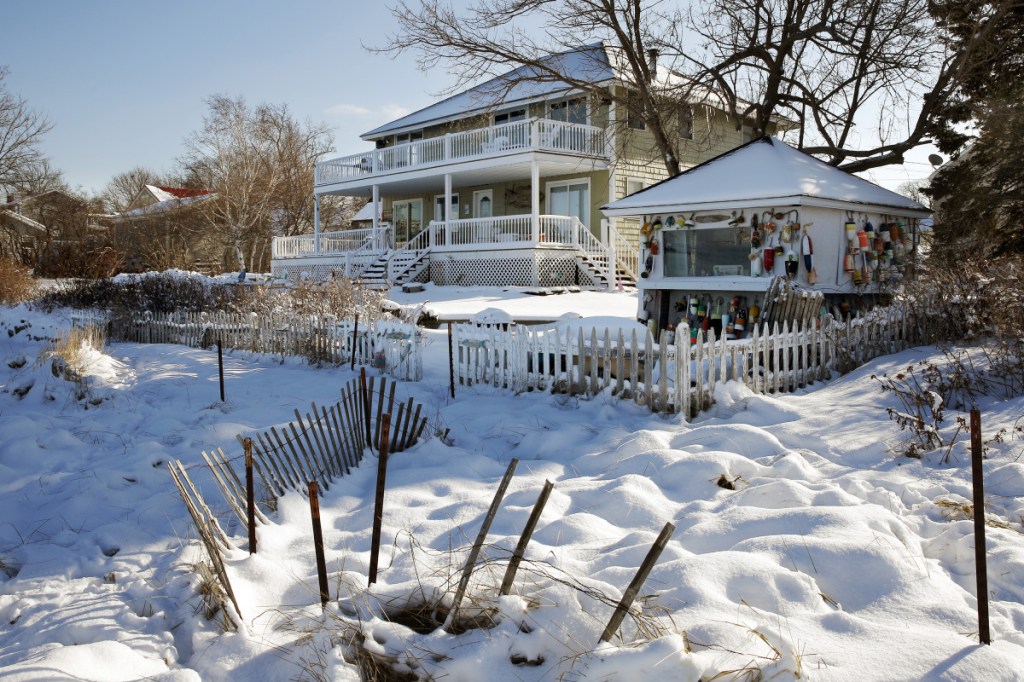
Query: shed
[[716, 235]]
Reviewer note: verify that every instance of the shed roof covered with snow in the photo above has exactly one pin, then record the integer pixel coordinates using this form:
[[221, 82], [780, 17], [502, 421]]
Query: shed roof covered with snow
[[762, 172]]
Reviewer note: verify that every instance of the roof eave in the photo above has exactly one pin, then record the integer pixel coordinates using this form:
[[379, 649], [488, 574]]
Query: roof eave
[[762, 202]]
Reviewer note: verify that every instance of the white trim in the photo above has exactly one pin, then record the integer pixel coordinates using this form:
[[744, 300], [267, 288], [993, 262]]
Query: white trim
[[792, 201]]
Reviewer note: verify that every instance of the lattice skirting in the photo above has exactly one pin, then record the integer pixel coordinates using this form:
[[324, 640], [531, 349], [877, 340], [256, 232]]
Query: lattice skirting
[[299, 269], [509, 271]]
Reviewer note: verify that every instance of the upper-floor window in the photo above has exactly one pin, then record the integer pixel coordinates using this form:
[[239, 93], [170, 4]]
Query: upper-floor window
[[635, 111], [686, 122], [510, 116], [570, 110], [405, 138]]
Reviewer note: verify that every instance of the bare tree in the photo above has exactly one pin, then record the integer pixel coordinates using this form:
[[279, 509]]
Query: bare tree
[[493, 36], [124, 187], [22, 163], [260, 162], [862, 79]]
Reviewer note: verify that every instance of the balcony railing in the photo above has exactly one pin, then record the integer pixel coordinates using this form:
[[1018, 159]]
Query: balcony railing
[[534, 134]]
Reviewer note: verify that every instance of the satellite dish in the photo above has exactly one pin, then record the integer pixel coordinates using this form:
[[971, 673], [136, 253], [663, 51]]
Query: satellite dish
[[935, 160]]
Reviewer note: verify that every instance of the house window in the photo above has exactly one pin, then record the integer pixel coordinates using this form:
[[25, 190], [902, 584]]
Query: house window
[[686, 122], [570, 110], [634, 185], [634, 111], [510, 116]]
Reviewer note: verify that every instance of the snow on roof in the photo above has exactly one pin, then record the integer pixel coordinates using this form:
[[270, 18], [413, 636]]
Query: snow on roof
[[590, 64], [764, 171], [168, 198], [181, 192], [365, 213]]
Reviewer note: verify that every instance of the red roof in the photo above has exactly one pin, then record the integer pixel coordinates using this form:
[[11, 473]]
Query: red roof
[[183, 193]]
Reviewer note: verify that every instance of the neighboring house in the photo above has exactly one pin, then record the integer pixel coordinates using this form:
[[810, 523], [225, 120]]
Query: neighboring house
[[163, 228], [501, 184], [20, 235], [40, 227], [722, 230]]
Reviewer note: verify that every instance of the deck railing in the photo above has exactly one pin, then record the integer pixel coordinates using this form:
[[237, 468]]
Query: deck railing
[[534, 134], [333, 243]]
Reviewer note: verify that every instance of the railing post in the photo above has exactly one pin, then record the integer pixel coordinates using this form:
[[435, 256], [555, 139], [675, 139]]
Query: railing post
[[613, 268], [316, 224], [447, 146], [535, 133]]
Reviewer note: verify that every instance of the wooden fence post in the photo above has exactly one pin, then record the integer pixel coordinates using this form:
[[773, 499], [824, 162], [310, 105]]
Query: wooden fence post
[[481, 536], [318, 544], [980, 560], [524, 540], [451, 363], [355, 342], [378, 506], [220, 368], [250, 496], [638, 581]]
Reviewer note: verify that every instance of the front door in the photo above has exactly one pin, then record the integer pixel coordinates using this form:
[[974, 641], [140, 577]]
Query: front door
[[483, 203], [408, 219]]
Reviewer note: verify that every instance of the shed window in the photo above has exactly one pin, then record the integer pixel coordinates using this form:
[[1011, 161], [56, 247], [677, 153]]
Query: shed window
[[711, 252]]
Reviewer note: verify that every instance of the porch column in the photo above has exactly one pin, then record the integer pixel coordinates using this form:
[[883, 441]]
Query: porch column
[[316, 224], [535, 200], [376, 215], [447, 207]]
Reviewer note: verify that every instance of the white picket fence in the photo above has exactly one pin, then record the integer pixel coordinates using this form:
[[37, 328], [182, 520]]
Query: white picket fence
[[391, 347], [678, 377]]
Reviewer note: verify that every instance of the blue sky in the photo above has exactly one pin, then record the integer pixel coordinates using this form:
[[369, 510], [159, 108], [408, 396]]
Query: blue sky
[[125, 82]]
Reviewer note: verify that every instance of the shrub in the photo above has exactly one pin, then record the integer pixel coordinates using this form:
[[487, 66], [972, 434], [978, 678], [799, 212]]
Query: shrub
[[16, 283]]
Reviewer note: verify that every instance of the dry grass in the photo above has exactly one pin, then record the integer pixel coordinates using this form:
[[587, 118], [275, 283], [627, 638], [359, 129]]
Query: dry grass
[[16, 283], [68, 359], [956, 510], [213, 596]]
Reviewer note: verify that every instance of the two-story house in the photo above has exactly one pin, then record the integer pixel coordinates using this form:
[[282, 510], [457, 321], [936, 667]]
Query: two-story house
[[501, 184]]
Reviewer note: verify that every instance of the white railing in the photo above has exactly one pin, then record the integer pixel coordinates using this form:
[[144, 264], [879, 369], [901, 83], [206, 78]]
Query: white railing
[[344, 241], [497, 230], [627, 256], [411, 253], [535, 134]]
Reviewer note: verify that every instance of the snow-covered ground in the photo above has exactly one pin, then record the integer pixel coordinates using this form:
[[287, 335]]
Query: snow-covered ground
[[830, 559]]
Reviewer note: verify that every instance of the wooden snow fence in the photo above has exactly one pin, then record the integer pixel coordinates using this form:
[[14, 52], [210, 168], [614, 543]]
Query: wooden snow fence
[[320, 447], [677, 377], [392, 347], [787, 301], [214, 539], [327, 443]]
